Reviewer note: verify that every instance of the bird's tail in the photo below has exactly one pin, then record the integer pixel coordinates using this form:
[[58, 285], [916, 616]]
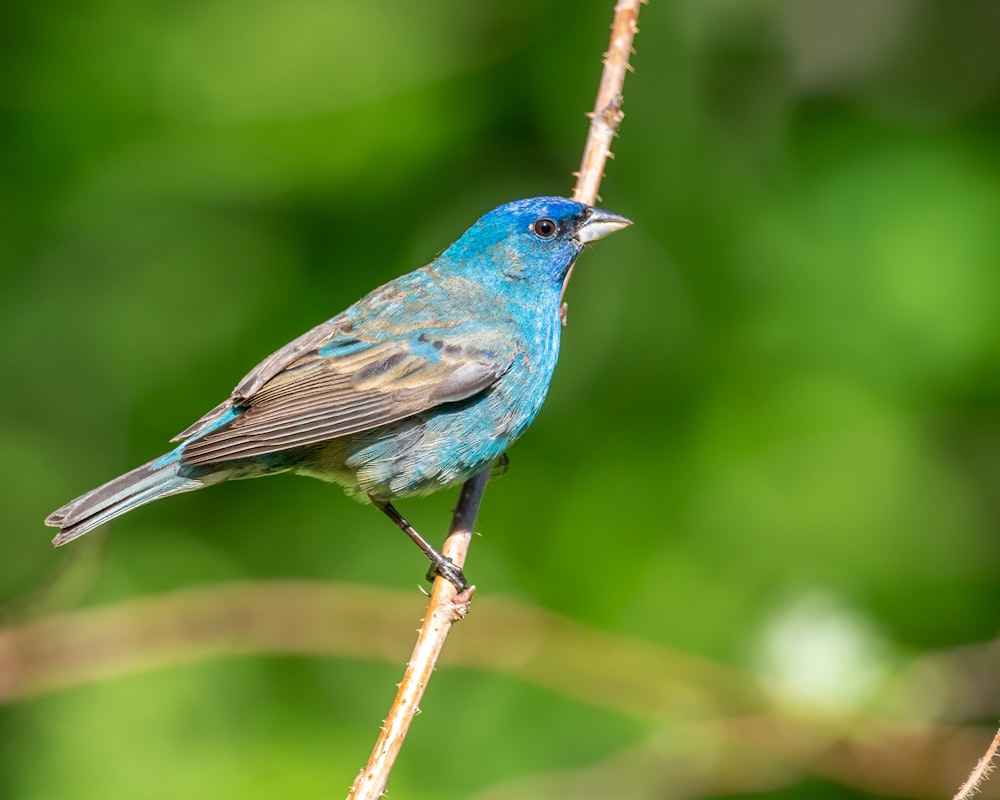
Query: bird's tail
[[158, 478]]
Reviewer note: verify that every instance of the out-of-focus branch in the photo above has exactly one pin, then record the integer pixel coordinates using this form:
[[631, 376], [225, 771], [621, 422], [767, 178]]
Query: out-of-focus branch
[[709, 707], [358, 622]]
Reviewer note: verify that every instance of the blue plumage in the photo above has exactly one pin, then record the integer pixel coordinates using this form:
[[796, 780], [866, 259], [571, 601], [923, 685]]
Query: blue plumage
[[419, 385]]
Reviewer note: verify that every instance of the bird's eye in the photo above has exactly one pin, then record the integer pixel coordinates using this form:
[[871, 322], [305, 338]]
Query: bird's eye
[[544, 228]]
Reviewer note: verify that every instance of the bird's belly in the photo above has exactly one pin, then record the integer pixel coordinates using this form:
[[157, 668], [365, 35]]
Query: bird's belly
[[423, 453]]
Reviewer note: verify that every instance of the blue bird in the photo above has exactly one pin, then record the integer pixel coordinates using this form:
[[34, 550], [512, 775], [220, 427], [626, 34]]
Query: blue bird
[[419, 385]]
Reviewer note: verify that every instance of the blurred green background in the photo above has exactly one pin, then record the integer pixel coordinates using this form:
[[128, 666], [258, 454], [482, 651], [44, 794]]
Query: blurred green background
[[763, 495]]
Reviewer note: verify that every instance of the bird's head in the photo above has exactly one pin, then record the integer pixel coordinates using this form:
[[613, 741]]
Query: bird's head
[[531, 240]]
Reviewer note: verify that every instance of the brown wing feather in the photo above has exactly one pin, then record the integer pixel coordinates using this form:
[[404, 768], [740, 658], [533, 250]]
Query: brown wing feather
[[315, 398], [266, 370]]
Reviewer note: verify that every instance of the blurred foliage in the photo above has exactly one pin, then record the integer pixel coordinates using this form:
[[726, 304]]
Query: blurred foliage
[[773, 440]]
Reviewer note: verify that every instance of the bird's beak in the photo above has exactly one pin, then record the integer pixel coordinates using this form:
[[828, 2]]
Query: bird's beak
[[598, 224]]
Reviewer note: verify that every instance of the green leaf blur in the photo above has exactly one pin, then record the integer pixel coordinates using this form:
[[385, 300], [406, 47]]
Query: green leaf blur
[[772, 444]]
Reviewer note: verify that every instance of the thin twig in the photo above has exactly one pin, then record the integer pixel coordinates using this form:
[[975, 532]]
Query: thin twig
[[981, 772], [607, 115], [444, 607]]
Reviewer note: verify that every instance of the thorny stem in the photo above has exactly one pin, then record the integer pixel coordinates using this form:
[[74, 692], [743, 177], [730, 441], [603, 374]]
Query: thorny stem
[[981, 772], [607, 115], [445, 607]]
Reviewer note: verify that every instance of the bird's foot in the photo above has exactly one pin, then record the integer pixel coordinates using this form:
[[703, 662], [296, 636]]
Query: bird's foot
[[500, 467], [440, 564], [449, 570]]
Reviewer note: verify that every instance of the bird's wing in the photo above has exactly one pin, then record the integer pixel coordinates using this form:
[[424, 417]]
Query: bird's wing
[[266, 370], [333, 383]]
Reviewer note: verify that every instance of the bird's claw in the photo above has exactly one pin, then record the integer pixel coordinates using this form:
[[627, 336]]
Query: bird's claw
[[499, 467], [448, 570]]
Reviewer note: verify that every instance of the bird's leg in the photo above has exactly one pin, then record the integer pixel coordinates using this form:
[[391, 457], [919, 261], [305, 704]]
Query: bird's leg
[[500, 466], [440, 564]]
